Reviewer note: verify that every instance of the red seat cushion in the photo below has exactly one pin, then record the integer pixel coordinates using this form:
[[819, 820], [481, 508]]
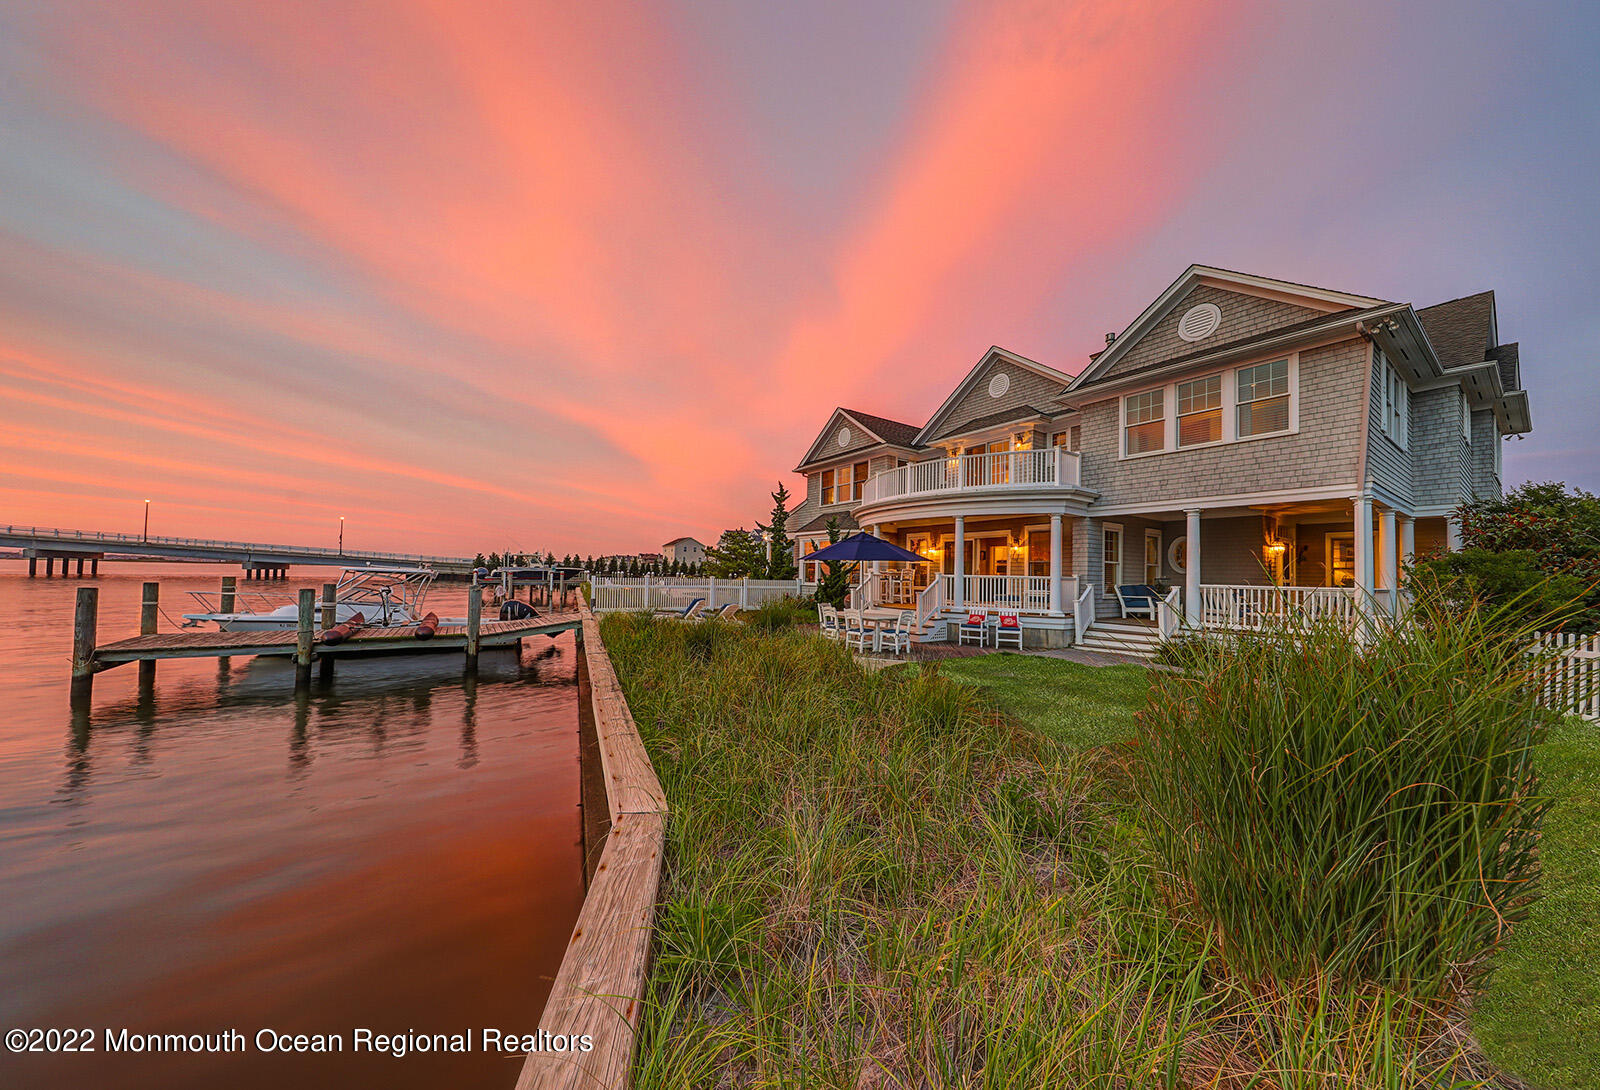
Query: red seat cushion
[[976, 620], [1010, 621]]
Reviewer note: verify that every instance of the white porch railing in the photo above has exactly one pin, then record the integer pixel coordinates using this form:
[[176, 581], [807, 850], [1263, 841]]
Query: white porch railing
[[1027, 593], [1169, 613], [1250, 608], [930, 603], [1083, 612], [1006, 469], [641, 594]]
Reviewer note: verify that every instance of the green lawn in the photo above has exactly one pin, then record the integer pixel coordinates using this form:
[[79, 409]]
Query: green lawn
[[1081, 705], [1541, 1016]]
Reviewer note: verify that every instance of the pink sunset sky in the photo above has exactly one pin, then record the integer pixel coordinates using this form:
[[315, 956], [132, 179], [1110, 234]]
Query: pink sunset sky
[[587, 277]]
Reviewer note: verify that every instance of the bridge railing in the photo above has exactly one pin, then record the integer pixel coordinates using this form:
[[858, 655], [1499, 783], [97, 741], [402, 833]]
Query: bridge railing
[[49, 533]]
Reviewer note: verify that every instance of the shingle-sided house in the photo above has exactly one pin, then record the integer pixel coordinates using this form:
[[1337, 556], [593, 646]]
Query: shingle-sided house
[[684, 550], [1241, 433]]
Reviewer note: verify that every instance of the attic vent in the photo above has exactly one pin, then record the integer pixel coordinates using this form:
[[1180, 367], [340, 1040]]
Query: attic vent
[[844, 437], [1199, 322], [999, 384]]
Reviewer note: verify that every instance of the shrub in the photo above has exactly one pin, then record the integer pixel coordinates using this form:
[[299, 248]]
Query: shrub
[[780, 613], [1361, 810]]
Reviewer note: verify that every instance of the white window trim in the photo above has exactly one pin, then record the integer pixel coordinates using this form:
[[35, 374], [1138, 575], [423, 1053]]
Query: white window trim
[[1122, 556], [1151, 533], [1172, 554], [1466, 418], [1390, 380], [1230, 406]]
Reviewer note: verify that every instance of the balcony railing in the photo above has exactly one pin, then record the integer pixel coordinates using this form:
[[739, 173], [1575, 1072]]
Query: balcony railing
[[1007, 469]]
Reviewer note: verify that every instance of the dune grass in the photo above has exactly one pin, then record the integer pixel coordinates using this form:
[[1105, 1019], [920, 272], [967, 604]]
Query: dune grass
[[885, 880]]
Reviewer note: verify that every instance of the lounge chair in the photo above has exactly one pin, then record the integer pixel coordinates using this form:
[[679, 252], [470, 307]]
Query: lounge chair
[[725, 612], [687, 613], [1137, 598]]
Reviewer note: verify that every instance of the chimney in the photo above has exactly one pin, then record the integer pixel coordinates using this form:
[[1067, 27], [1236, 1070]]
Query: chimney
[[1109, 338]]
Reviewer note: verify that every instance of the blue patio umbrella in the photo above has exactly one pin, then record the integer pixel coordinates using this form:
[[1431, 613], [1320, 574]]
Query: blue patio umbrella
[[862, 546]]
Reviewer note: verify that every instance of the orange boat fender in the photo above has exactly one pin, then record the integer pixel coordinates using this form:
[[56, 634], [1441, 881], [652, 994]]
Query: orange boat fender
[[428, 626], [341, 632]]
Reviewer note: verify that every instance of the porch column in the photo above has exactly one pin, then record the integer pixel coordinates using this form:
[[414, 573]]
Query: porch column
[[1452, 534], [1191, 575], [1388, 566], [1363, 542], [877, 565], [960, 596], [1055, 565], [1408, 540]]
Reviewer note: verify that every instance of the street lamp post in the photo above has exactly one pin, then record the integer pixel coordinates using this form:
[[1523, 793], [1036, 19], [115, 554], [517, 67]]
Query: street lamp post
[[146, 535], [341, 535]]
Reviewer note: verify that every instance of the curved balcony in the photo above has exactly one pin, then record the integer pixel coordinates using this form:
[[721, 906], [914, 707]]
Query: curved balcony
[[1011, 469]]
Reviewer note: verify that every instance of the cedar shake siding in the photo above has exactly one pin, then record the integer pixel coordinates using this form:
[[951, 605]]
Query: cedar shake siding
[[1242, 316], [1324, 452], [1028, 394]]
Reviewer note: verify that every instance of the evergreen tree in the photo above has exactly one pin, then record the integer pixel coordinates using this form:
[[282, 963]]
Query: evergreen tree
[[480, 561], [834, 586], [737, 553], [780, 550]]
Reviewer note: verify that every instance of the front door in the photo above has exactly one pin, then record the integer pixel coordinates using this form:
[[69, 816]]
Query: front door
[[1342, 560], [1152, 557]]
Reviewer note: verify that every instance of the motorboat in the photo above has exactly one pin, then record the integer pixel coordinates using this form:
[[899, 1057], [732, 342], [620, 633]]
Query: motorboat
[[385, 597]]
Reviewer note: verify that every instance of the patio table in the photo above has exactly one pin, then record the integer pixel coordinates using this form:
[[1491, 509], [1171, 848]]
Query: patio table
[[880, 618]]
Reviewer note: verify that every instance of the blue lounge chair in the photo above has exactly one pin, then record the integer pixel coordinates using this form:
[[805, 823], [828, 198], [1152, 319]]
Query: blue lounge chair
[[1137, 598]]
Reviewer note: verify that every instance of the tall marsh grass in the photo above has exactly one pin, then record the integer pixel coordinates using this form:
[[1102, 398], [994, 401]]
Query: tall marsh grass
[[878, 881], [1364, 810]]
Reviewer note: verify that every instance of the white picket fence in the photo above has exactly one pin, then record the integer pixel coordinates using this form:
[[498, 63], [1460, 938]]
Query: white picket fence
[[1572, 683], [646, 593]]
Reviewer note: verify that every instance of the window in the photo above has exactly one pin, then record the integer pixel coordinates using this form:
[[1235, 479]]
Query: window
[[1145, 419], [860, 481], [1263, 398], [827, 487], [1112, 559], [1395, 401], [1069, 438], [1466, 418], [1200, 411], [1499, 449], [1178, 554]]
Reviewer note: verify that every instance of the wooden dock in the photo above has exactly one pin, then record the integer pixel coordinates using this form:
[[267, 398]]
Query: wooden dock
[[89, 657], [403, 639]]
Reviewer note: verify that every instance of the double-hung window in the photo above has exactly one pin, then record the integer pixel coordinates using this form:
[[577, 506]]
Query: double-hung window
[[1263, 402], [827, 487], [1200, 411], [1145, 422], [860, 480], [1111, 558], [1396, 402]]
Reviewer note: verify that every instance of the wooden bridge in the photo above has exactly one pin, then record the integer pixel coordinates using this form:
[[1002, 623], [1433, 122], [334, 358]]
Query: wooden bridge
[[258, 560]]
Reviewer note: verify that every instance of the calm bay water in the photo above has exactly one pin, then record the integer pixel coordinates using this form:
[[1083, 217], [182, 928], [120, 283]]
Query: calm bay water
[[398, 850]]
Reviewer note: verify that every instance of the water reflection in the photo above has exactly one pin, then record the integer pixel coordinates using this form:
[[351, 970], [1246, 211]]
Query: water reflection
[[395, 846]]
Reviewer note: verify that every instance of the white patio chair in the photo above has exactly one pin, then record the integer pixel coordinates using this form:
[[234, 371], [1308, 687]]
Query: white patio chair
[[828, 619], [975, 629], [857, 634], [899, 637], [1009, 630]]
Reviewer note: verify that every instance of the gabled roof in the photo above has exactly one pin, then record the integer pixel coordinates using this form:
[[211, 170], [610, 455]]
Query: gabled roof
[[1460, 330], [869, 426], [1005, 416], [1319, 298], [676, 540], [936, 421], [847, 521], [890, 431]]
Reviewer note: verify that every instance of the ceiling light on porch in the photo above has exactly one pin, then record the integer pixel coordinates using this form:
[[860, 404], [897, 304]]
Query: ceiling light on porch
[[1276, 548]]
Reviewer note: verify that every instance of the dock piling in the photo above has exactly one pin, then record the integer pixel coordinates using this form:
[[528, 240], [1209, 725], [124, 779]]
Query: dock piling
[[149, 610], [84, 625], [230, 593], [302, 647], [474, 628], [33, 567], [330, 615]]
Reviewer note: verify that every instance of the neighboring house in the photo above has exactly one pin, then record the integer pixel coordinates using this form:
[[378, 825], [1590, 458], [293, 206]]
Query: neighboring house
[[1241, 432], [684, 550]]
